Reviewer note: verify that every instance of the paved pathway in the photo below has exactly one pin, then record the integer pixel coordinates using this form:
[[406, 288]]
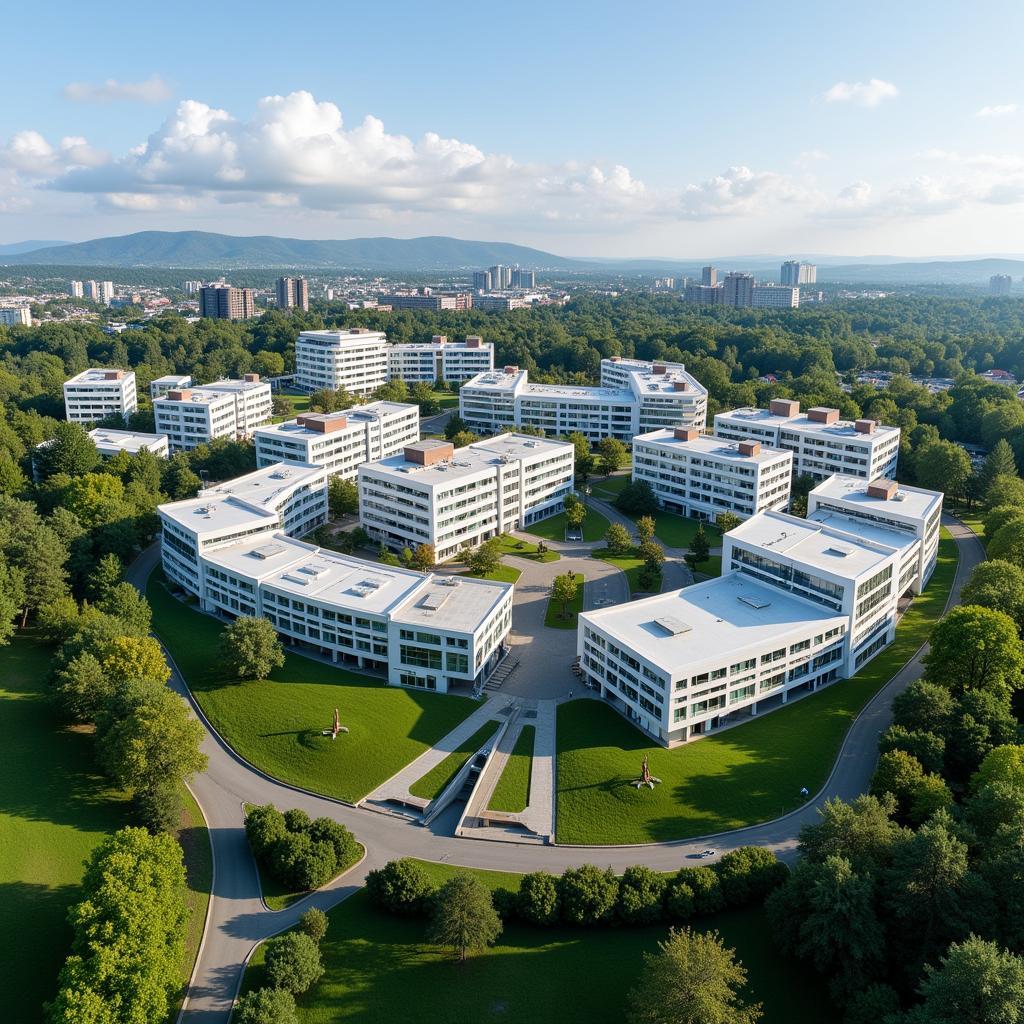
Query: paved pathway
[[237, 920]]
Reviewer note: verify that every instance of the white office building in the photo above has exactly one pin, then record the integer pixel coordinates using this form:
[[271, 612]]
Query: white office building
[[774, 296], [171, 382], [796, 273], [15, 316], [664, 395], [822, 444], [226, 408], [440, 359], [355, 361], [97, 393], [696, 475], [340, 441], [287, 498], [802, 603], [454, 499], [112, 442]]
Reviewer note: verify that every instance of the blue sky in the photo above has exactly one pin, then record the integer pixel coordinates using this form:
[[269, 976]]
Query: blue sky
[[589, 129]]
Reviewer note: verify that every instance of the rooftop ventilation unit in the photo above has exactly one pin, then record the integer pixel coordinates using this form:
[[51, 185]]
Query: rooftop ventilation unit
[[433, 601], [267, 551], [672, 625], [837, 551], [757, 603]]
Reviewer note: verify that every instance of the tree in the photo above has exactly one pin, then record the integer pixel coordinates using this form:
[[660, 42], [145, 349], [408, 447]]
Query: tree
[[464, 438], [35, 551], [749, 873], [999, 585], [976, 982], [264, 826], [422, 395], [928, 748], [694, 978], [456, 425], [613, 454], [1007, 542], [538, 898], [640, 895], [12, 598], [1007, 489], [82, 688], [1001, 764], [314, 923], [464, 917], [975, 648], [575, 513], [134, 657], [996, 518], [587, 895], [128, 943], [266, 1006], [727, 521], [484, 558], [862, 832], [250, 649], [637, 498], [401, 886], [179, 481], [342, 497], [700, 549], [645, 527], [293, 962], [583, 458], [924, 707], [617, 539], [423, 558], [652, 554], [12, 480], [124, 602], [943, 466], [563, 590], [998, 462], [70, 451]]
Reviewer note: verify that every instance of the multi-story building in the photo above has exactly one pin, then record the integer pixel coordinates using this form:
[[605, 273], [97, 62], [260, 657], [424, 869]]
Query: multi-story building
[[193, 287], [481, 280], [1000, 284], [525, 279], [15, 316], [739, 289], [77, 290], [287, 498], [500, 303], [802, 603], [225, 408], [112, 442], [709, 276], [355, 361], [704, 294], [655, 395], [700, 476], [440, 359], [821, 443], [501, 277], [222, 302], [455, 499], [340, 441], [424, 298], [795, 273], [94, 394], [774, 296], [171, 381], [292, 293]]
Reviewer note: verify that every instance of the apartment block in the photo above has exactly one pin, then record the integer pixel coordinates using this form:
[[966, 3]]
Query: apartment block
[[112, 442], [821, 443], [440, 359], [292, 293], [355, 361], [739, 289], [222, 302], [774, 296], [655, 395], [97, 393], [170, 382], [340, 441], [225, 408], [454, 499], [794, 272], [427, 299], [15, 316], [700, 476]]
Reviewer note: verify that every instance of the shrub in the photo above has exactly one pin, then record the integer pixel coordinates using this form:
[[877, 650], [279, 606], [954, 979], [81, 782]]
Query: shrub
[[538, 898], [640, 895], [299, 862], [587, 895], [264, 826], [679, 900], [266, 1006], [928, 748], [314, 923], [297, 820], [293, 962], [749, 873], [327, 830], [506, 902], [401, 886], [707, 890]]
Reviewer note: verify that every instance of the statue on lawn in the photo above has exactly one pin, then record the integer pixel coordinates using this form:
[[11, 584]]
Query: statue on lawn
[[646, 778], [336, 728]]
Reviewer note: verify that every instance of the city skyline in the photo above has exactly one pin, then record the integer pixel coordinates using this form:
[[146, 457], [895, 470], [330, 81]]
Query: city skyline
[[759, 139]]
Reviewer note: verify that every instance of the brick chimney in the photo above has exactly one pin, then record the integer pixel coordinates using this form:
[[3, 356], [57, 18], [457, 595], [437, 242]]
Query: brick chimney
[[179, 394], [113, 374], [474, 341], [749, 447], [359, 330], [882, 488], [659, 368], [427, 453], [784, 407], [511, 369], [251, 378], [865, 426], [439, 339], [322, 423], [680, 385], [686, 433], [821, 414]]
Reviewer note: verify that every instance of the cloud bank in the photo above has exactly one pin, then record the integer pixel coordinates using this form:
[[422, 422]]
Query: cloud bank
[[864, 94], [153, 90]]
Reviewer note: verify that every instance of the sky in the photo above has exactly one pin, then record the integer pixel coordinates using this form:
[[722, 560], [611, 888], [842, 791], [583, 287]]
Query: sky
[[586, 129]]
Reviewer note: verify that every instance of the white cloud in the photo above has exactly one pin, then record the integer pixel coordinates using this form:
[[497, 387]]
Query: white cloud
[[153, 90], [29, 153], [866, 94], [997, 110]]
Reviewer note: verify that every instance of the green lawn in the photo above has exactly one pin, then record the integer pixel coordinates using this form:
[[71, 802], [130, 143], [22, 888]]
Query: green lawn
[[379, 965], [973, 522], [299, 403], [510, 545], [711, 569], [512, 792], [276, 723], [632, 565], [609, 488], [433, 783], [194, 837], [594, 527], [678, 532], [746, 774], [553, 616], [55, 808], [503, 574]]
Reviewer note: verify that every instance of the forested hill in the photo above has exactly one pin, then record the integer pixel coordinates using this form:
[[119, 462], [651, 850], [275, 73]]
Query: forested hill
[[201, 249]]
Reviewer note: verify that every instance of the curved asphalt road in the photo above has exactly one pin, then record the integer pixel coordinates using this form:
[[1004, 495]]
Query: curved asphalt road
[[238, 921]]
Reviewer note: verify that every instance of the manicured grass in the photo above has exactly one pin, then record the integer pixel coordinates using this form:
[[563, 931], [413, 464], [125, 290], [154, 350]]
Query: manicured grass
[[55, 808], [553, 616], [746, 774], [510, 545], [631, 564], [299, 403], [379, 965], [446, 399], [594, 527], [194, 837], [973, 522], [276, 723], [678, 532], [610, 487], [503, 574], [512, 792], [710, 569], [433, 783]]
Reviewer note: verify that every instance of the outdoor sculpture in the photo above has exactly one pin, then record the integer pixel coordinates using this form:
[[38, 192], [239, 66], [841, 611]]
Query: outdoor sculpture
[[646, 778], [336, 728]]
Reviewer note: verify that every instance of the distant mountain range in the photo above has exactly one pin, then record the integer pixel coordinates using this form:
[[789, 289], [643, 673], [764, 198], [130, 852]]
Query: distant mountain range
[[206, 250]]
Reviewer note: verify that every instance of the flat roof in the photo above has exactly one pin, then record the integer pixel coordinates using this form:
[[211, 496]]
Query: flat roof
[[496, 380], [171, 378], [204, 394], [357, 416], [212, 514], [264, 487], [876, 532], [841, 428], [708, 444], [345, 337], [909, 502], [584, 392], [647, 382], [98, 375], [438, 346], [130, 441], [452, 602], [842, 552], [720, 620]]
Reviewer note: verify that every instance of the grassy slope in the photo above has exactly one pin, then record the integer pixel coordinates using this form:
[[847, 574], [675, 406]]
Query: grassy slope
[[748, 773], [609, 487], [55, 808], [594, 527], [431, 784], [512, 792], [194, 837], [276, 723], [378, 966]]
